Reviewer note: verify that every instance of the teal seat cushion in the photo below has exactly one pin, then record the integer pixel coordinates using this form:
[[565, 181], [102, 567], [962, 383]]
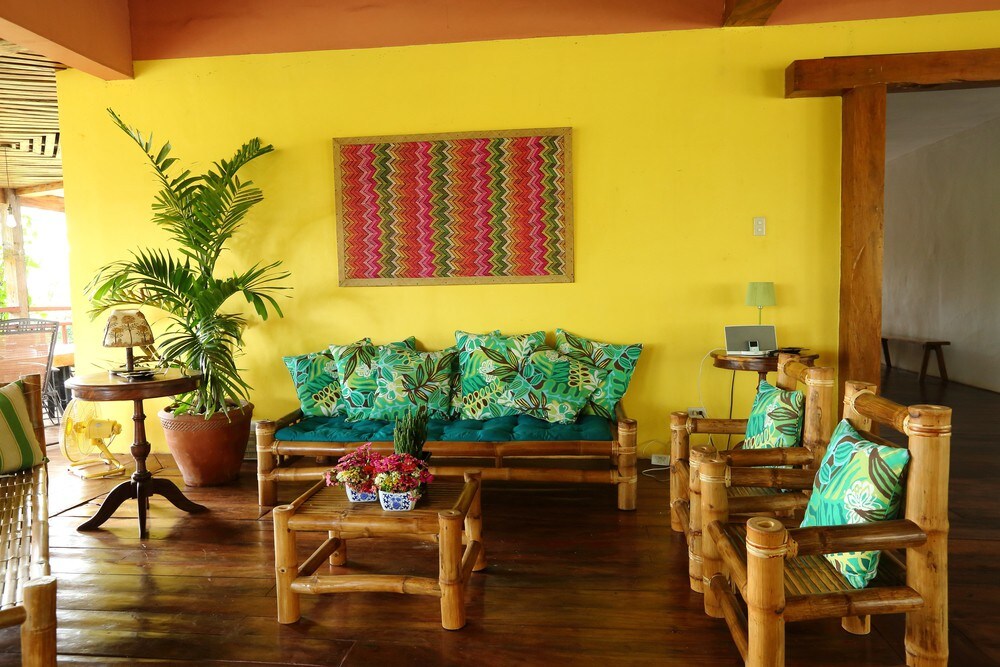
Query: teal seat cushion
[[517, 428], [857, 482]]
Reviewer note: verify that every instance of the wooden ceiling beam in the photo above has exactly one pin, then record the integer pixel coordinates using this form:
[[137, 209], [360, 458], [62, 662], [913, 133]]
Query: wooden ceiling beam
[[94, 36], [47, 203], [824, 77], [40, 189], [748, 12]]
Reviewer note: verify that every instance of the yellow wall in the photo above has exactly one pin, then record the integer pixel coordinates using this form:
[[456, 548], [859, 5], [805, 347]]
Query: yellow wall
[[680, 138]]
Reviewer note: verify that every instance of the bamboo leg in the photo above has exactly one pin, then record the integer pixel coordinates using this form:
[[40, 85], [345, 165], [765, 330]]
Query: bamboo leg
[[927, 506], [450, 570], [474, 520], [698, 455], [857, 625], [267, 489], [679, 444], [38, 632], [339, 555], [285, 565], [714, 507], [766, 546], [627, 482]]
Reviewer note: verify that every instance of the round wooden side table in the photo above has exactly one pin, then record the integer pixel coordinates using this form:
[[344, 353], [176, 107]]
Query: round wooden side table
[[761, 364], [142, 485]]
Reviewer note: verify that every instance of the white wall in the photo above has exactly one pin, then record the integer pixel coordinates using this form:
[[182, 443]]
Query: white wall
[[942, 254]]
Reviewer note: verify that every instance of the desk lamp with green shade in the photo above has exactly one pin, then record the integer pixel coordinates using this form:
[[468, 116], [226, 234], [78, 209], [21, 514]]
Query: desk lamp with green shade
[[760, 295]]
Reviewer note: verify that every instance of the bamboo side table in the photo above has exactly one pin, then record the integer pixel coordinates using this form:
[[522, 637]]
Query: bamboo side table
[[447, 512]]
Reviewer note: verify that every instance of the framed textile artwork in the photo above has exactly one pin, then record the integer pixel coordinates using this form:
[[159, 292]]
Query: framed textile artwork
[[470, 207]]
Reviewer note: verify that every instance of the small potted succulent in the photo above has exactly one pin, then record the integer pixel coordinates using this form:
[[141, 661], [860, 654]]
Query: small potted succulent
[[398, 479], [356, 473]]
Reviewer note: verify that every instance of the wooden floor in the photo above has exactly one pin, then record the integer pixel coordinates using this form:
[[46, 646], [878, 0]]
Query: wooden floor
[[571, 581]]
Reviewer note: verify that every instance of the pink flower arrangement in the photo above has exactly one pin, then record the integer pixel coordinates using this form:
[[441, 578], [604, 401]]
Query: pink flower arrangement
[[400, 472], [357, 469]]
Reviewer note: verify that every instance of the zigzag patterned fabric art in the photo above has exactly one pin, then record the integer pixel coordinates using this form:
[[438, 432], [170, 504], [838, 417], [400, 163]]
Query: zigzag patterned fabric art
[[454, 209]]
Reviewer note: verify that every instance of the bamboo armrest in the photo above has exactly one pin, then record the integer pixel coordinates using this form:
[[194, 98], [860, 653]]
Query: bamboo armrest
[[777, 478], [876, 536], [720, 426], [13, 616], [620, 414], [762, 457]]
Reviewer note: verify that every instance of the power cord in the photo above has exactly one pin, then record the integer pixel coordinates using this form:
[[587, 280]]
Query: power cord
[[701, 397]]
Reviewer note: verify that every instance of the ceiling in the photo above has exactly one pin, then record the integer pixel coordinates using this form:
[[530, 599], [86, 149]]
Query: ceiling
[[29, 119], [915, 120]]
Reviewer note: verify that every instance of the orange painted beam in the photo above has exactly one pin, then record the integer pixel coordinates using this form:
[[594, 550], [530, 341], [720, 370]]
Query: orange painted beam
[[93, 36], [748, 12], [824, 11]]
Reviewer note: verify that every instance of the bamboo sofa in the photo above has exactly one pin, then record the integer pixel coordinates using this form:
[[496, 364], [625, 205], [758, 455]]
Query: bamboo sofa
[[781, 574], [685, 488], [504, 440], [27, 591]]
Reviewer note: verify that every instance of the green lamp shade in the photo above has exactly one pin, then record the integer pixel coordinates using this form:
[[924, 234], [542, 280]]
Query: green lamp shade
[[760, 294]]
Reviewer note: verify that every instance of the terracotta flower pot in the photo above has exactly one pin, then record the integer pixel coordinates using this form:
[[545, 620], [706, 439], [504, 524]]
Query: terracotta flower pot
[[208, 451]]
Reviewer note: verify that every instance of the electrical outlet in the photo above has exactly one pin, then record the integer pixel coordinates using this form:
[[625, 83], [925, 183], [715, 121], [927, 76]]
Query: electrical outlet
[[660, 460], [759, 226], [697, 412]]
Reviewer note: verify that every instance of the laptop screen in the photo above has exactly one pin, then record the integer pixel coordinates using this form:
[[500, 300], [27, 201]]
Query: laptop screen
[[742, 339]]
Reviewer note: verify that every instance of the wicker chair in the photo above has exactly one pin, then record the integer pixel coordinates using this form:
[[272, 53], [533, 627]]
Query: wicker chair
[[685, 487], [782, 576], [27, 592]]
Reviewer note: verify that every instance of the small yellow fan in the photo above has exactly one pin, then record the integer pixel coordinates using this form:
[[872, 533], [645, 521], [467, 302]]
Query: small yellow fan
[[84, 439]]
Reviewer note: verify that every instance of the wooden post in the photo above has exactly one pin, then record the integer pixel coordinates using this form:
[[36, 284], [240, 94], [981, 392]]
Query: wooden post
[[929, 431], [714, 507], [767, 542], [38, 632], [680, 441], [15, 262], [627, 477], [285, 565], [450, 570], [819, 423], [474, 519], [698, 455], [267, 489]]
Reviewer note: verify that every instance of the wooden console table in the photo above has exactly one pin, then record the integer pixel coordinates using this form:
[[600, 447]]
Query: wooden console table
[[142, 485]]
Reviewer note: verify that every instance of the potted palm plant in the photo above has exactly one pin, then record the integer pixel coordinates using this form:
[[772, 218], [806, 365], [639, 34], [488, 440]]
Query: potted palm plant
[[206, 429]]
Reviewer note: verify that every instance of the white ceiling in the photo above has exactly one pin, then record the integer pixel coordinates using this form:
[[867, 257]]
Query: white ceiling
[[917, 119]]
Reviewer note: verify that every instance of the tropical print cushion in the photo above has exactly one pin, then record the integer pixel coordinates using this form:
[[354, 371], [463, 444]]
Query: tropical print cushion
[[456, 379], [19, 447], [407, 380], [617, 360], [489, 362], [775, 418], [316, 382], [356, 372], [551, 386], [857, 482]]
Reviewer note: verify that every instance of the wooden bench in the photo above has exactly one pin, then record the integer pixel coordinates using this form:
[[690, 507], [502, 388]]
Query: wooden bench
[[928, 345]]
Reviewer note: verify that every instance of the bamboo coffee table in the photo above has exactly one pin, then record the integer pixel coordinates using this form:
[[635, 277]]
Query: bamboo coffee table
[[449, 510]]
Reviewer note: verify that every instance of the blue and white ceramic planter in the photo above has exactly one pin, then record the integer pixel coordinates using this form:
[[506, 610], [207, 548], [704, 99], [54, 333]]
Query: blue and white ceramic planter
[[397, 502], [355, 496]]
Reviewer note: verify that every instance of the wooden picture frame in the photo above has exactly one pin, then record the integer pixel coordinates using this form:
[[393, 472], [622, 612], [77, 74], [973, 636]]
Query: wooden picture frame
[[455, 208]]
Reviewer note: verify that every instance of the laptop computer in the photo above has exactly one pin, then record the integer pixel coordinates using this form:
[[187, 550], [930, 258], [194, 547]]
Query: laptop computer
[[750, 341]]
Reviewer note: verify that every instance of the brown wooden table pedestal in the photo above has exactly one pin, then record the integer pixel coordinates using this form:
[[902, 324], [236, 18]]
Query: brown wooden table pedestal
[[142, 485]]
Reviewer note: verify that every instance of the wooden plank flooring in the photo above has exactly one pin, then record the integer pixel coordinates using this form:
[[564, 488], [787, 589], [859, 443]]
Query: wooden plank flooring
[[571, 580]]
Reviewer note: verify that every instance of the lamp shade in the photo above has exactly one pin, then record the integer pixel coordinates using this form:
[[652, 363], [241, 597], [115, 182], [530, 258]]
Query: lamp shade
[[127, 328], [760, 294]]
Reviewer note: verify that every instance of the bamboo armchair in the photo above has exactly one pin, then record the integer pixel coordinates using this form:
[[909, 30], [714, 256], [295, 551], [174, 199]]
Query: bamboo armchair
[[27, 592], [781, 574], [685, 462]]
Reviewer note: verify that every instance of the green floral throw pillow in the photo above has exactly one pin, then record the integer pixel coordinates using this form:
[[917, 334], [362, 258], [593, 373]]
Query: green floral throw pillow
[[356, 370], [489, 363], [553, 387], [775, 418], [316, 384], [857, 482], [407, 380], [617, 360], [456, 378]]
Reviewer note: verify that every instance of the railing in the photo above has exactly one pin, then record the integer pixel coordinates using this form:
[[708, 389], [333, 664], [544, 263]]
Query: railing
[[64, 325]]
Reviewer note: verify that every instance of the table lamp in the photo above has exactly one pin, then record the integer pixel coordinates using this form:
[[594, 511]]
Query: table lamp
[[760, 295], [128, 328]]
